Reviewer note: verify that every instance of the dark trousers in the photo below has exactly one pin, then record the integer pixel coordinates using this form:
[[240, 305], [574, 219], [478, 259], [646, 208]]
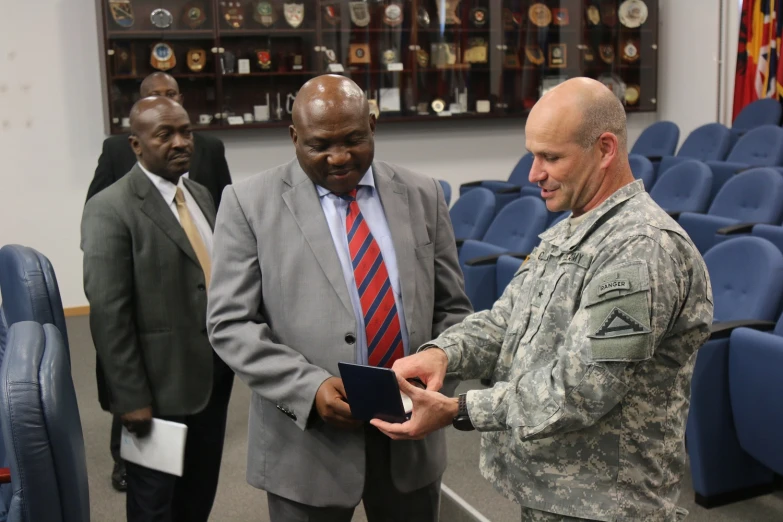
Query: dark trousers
[[114, 440], [382, 501], [154, 496]]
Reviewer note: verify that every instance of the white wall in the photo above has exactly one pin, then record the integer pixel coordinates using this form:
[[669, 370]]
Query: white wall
[[51, 123]]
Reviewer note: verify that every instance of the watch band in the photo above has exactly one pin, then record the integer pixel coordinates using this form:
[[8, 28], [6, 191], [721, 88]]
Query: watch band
[[462, 420]]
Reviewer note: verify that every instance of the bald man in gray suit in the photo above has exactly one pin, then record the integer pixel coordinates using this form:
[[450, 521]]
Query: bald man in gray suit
[[289, 300]]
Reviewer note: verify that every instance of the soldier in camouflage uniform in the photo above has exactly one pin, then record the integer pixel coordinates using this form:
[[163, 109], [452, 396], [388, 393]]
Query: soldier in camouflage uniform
[[591, 347]]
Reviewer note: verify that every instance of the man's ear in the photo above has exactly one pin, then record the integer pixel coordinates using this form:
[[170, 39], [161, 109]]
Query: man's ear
[[135, 144], [609, 146], [293, 134], [372, 123]]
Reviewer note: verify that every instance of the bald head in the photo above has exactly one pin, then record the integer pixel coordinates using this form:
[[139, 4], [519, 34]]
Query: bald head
[[161, 137], [599, 108], [147, 111], [160, 84], [328, 94]]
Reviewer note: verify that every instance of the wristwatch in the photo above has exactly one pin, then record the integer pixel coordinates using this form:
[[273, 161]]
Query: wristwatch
[[462, 420]]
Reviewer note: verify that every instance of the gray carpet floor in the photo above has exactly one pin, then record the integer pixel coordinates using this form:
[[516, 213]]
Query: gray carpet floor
[[237, 501]]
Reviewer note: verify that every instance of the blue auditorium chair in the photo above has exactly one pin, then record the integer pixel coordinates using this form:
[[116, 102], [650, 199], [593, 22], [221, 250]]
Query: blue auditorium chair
[[685, 187], [766, 111], [756, 389], [507, 267], [446, 190], [747, 283], [505, 192], [710, 142], [656, 141], [42, 431], [472, 214], [759, 147], [754, 196], [642, 169], [514, 230]]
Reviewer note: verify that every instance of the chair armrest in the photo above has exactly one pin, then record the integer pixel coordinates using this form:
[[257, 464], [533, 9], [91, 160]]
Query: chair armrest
[[5, 475], [483, 260], [674, 213], [654, 158], [723, 329], [471, 184], [460, 241], [518, 255], [739, 228], [509, 190], [749, 167]]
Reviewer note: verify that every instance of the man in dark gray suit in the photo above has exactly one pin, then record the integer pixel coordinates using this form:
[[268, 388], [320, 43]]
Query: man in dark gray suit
[[147, 251], [208, 166], [332, 257]]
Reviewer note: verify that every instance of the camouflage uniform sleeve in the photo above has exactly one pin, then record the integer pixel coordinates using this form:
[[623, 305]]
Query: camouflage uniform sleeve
[[631, 299], [473, 345]]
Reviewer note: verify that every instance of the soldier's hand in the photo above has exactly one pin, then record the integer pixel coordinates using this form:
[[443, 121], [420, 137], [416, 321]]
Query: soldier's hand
[[138, 422], [431, 412], [429, 366], [331, 405]]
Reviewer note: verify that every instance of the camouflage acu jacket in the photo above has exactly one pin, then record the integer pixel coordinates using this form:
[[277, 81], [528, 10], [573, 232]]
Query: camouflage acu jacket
[[591, 350]]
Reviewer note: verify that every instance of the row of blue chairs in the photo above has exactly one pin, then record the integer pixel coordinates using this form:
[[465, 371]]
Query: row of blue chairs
[[42, 444]]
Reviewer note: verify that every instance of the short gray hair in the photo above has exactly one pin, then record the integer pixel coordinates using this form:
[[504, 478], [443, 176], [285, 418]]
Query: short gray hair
[[603, 113]]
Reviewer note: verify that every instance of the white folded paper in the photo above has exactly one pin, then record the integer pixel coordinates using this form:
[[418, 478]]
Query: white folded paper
[[163, 449]]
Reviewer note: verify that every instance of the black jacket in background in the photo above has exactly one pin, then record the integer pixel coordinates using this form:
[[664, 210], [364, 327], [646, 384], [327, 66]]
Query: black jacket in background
[[207, 166]]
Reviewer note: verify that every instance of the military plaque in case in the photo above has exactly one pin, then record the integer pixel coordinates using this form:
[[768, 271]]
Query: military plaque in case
[[123, 61], [557, 55], [539, 15], [606, 52], [360, 54], [330, 56], [587, 53], [443, 54], [264, 13], [534, 54], [162, 57], [161, 18], [332, 14], [392, 15], [360, 14], [632, 94], [264, 58], [631, 51], [511, 59], [422, 58], [633, 13], [294, 14], [593, 15], [477, 51], [194, 15], [389, 56], [233, 13], [197, 59], [479, 16], [608, 14], [560, 16], [122, 13], [448, 9], [423, 18]]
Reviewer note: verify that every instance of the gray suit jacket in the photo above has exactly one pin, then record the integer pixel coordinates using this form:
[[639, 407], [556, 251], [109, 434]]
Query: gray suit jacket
[[280, 316], [147, 298]]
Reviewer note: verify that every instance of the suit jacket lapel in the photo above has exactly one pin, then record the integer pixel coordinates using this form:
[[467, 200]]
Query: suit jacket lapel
[[153, 205], [303, 202], [394, 196], [206, 206]]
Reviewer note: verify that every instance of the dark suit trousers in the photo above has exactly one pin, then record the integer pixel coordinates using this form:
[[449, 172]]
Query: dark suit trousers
[[154, 496], [382, 501]]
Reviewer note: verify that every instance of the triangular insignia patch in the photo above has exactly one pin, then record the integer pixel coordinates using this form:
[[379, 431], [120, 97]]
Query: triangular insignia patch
[[618, 324]]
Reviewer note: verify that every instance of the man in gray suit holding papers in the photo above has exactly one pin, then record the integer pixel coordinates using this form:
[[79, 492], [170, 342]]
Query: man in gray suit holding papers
[[332, 257]]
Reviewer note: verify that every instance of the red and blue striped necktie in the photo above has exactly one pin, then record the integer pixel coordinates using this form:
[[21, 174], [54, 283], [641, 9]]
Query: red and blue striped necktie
[[381, 322]]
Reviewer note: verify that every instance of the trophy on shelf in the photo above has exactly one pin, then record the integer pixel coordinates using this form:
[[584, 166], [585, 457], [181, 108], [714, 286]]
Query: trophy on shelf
[[332, 14], [261, 112], [124, 60], [477, 51], [294, 14], [162, 57], [264, 13], [161, 18], [264, 58], [228, 62], [197, 58], [233, 13], [360, 13], [279, 111], [392, 15], [194, 15], [122, 13]]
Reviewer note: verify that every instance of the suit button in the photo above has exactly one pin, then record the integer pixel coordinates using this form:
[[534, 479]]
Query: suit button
[[202, 287], [350, 338]]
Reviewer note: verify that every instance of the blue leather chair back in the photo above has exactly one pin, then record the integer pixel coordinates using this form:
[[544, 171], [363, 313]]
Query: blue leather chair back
[[517, 226], [41, 428], [685, 187], [760, 112], [506, 268], [759, 147], [753, 196], [642, 169], [472, 213], [29, 288], [659, 139], [747, 279], [446, 190], [521, 171], [710, 142]]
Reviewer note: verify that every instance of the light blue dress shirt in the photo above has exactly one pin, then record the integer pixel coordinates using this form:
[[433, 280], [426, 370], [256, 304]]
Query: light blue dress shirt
[[335, 210]]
